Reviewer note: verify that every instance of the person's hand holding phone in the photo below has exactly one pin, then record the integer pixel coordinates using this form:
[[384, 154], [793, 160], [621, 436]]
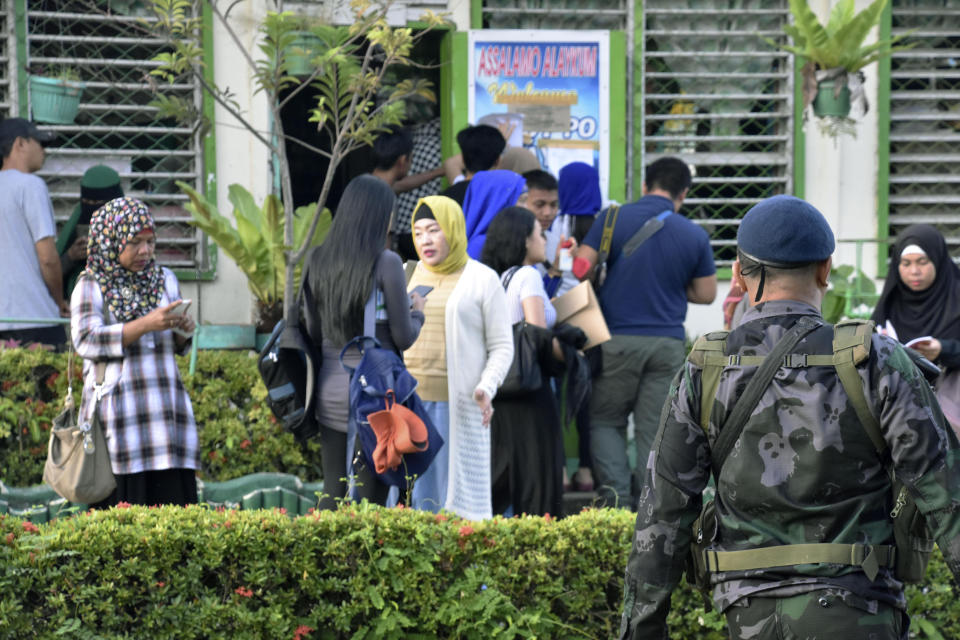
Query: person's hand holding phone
[[418, 297]]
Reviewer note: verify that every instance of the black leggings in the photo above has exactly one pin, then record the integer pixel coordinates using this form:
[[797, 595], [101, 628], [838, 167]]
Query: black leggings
[[334, 461]]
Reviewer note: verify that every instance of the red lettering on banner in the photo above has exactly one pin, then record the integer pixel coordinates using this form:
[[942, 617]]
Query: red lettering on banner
[[590, 62], [548, 54]]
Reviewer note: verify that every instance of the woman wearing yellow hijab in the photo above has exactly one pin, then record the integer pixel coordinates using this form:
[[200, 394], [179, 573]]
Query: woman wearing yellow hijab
[[462, 355]]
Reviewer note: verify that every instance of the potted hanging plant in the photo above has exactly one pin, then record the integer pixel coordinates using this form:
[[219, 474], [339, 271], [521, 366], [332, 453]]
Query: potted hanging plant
[[55, 97], [835, 55]]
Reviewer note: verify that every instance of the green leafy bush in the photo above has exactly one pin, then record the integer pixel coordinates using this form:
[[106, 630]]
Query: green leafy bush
[[238, 434], [360, 572]]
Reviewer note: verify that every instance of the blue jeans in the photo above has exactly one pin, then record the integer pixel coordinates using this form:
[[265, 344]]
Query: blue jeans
[[430, 489]]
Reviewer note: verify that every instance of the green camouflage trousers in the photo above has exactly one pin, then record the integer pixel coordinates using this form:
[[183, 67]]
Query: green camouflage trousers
[[818, 615]]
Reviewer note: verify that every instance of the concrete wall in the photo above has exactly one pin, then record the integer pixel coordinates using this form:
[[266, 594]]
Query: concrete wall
[[240, 159]]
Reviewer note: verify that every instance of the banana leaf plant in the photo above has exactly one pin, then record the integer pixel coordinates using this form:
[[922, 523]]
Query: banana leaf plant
[[256, 242], [852, 294]]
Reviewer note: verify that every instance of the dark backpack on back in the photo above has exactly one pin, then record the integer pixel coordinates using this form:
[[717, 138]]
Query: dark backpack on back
[[288, 365]]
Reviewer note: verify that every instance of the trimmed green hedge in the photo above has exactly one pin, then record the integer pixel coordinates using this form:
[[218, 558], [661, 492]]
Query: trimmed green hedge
[[238, 434], [360, 572]]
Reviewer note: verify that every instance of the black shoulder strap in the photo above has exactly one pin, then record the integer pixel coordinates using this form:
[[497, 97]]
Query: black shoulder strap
[[741, 412], [508, 276]]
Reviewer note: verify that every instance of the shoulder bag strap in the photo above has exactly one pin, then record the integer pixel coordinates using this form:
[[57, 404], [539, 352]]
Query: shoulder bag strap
[[508, 276], [370, 312], [606, 239], [741, 412], [645, 232]]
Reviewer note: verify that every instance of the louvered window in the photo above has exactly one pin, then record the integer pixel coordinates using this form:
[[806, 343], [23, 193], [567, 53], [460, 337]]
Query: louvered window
[[718, 96], [111, 54], [7, 69], [555, 14], [924, 180]]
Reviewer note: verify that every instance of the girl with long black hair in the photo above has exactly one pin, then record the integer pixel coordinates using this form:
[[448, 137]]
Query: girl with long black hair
[[527, 460], [339, 277]]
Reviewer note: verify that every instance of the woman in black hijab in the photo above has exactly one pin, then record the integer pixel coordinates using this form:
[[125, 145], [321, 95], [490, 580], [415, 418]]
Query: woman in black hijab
[[921, 296]]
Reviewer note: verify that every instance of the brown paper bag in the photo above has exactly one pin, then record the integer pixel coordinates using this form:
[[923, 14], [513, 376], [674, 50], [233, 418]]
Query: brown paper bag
[[580, 307]]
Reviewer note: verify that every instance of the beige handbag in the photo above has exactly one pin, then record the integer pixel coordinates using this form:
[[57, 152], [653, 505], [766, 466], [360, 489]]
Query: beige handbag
[[78, 463]]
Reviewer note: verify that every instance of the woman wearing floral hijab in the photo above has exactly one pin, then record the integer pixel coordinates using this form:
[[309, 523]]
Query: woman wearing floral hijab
[[123, 311]]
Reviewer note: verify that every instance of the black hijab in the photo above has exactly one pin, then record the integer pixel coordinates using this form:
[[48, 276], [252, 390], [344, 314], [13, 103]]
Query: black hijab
[[932, 312]]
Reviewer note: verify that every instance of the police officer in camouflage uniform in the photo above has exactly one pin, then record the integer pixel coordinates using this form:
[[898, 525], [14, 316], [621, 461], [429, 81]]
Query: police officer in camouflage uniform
[[803, 469]]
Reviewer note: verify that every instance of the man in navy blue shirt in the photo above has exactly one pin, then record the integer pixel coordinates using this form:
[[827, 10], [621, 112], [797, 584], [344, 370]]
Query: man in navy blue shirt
[[644, 301]]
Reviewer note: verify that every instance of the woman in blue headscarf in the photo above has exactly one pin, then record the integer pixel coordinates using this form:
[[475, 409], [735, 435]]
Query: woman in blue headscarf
[[580, 201], [579, 195], [488, 193]]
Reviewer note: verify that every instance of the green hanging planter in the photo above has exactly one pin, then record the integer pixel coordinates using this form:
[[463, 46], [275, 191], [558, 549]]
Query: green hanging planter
[[299, 53], [825, 104], [53, 100]]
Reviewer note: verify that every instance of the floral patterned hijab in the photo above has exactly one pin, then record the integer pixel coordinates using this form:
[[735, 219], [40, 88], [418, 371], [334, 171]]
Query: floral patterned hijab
[[128, 294]]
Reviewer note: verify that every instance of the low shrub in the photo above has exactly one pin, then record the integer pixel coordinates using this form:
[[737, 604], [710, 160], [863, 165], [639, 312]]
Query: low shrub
[[238, 434], [360, 572]]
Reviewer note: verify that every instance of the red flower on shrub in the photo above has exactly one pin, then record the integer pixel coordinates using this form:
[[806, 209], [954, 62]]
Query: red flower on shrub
[[302, 632], [7, 384], [243, 591], [123, 505], [30, 527], [160, 585], [10, 537], [213, 455], [465, 531], [52, 379], [245, 444], [440, 517]]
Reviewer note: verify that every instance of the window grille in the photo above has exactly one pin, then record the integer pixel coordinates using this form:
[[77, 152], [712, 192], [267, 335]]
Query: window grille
[[111, 53], [555, 14], [719, 97], [7, 70], [924, 182]]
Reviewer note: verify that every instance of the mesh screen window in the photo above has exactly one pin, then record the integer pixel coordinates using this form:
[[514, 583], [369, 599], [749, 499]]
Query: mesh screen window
[[111, 54]]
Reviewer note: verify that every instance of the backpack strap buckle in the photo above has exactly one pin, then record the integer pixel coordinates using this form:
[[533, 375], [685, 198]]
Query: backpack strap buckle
[[794, 360]]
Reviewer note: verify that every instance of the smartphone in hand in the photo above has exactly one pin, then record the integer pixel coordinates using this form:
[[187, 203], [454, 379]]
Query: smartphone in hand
[[182, 309], [422, 290]]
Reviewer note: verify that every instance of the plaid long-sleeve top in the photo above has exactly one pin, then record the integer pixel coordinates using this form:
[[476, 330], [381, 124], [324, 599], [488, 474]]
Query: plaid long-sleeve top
[[146, 413]]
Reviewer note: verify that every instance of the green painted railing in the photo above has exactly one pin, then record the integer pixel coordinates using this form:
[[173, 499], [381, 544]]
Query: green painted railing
[[41, 504]]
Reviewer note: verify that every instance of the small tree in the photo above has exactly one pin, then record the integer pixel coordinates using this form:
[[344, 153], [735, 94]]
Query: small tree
[[353, 104]]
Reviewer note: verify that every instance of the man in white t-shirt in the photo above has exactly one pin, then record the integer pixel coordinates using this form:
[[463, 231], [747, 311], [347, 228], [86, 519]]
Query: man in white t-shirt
[[29, 262]]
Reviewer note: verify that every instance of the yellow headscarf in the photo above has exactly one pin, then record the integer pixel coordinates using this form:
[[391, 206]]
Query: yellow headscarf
[[449, 216]]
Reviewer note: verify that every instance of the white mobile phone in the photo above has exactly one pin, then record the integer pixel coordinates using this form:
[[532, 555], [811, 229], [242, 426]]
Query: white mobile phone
[[182, 309]]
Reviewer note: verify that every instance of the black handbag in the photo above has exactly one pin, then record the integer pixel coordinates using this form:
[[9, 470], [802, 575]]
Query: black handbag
[[525, 375]]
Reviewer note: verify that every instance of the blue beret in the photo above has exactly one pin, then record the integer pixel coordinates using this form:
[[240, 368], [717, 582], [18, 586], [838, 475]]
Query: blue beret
[[785, 230]]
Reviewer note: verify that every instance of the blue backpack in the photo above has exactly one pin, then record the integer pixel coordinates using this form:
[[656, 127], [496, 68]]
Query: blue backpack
[[381, 371]]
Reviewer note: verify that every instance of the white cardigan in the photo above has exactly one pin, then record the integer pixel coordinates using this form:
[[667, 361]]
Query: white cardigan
[[479, 342]]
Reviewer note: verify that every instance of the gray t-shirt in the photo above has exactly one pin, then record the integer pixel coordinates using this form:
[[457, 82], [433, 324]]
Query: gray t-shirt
[[26, 217]]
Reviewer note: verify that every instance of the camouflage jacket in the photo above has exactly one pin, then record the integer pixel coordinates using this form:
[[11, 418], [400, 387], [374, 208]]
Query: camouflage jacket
[[803, 471]]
